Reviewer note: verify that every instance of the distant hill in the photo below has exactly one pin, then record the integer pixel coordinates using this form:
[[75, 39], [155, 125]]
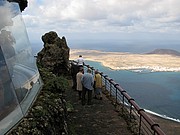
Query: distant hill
[[165, 51]]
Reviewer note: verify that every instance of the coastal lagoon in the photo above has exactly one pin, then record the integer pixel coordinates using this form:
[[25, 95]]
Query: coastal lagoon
[[156, 92]]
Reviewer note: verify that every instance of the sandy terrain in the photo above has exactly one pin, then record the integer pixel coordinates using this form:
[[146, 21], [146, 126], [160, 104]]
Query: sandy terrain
[[128, 61]]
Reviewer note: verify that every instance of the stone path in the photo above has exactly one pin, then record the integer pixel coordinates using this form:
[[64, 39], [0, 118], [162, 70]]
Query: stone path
[[100, 118]]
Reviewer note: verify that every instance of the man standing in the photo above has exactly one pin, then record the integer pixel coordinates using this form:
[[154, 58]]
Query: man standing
[[87, 82], [80, 61], [74, 71], [79, 84]]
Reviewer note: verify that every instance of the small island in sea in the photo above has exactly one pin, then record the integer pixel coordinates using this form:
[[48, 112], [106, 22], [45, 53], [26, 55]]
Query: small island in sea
[[157, 60]]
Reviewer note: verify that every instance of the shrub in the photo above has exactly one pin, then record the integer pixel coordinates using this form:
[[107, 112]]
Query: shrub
[[57, 85]]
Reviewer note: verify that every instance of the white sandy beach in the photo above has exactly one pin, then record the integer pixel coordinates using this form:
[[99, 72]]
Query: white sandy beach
[[128, 61]]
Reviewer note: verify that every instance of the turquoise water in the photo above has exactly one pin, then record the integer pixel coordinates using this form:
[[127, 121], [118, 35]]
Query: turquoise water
[[158, 92]]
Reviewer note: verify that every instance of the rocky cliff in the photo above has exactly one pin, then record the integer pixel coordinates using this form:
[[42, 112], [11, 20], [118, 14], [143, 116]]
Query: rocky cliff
[[48, 114], [55, 54]]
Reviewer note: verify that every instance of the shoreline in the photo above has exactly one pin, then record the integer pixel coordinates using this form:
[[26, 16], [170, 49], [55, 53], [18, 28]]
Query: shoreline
[[151, 113], [132, 62], [142, 69]]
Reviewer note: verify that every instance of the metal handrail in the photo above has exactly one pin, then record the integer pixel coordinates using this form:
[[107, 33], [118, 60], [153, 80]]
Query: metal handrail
[[151, 126]]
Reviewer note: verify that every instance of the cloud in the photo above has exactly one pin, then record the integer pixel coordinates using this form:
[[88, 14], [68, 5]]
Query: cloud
[[69, 16]]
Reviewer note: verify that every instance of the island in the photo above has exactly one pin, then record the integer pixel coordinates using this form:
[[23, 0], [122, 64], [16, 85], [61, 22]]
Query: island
[[129, 61]]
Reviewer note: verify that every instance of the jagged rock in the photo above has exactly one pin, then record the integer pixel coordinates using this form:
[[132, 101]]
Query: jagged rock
[[55, 54]]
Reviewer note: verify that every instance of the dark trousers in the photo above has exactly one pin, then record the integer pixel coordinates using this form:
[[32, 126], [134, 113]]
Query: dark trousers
[[74, 82], [80, 94], [84, 96]]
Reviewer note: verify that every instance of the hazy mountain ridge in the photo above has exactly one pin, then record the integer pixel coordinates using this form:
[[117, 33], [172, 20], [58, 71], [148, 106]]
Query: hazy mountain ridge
[[165, 51]]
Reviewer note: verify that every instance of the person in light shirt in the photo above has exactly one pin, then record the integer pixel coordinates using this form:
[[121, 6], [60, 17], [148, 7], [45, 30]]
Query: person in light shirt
[[79, 84], [80, 61]]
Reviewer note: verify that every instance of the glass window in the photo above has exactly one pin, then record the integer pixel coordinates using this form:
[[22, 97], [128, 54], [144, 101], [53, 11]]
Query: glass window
[[19, 76]]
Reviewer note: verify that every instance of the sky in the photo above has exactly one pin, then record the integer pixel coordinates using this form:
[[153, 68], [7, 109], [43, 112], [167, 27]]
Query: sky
[[93, 20]]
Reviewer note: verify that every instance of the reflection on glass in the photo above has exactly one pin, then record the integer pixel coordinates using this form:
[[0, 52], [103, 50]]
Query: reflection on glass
[[7, 95], [19, 76]]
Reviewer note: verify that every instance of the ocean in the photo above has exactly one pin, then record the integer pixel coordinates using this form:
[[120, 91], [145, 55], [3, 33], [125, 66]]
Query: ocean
[[156, 92], [132, 46]]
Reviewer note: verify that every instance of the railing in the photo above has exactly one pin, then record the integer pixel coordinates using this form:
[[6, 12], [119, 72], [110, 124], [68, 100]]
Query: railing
[[136, 115]]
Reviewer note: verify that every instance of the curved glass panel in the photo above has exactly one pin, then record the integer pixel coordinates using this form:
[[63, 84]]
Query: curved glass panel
[[19, 76]]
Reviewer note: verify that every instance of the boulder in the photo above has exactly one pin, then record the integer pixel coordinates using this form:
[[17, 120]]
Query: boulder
[[55, 54]]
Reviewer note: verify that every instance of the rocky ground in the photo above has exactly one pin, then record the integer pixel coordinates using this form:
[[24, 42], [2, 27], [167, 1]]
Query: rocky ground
[[100, 118]]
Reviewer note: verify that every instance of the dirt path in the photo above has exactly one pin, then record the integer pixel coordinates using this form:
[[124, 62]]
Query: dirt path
[[100, 118]]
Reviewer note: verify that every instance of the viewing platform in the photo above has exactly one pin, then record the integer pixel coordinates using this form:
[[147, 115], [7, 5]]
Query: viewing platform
[[100, 118], [137, 120]]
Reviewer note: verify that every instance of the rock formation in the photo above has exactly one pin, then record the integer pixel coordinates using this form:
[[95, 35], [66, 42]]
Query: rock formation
[[55, 54]]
